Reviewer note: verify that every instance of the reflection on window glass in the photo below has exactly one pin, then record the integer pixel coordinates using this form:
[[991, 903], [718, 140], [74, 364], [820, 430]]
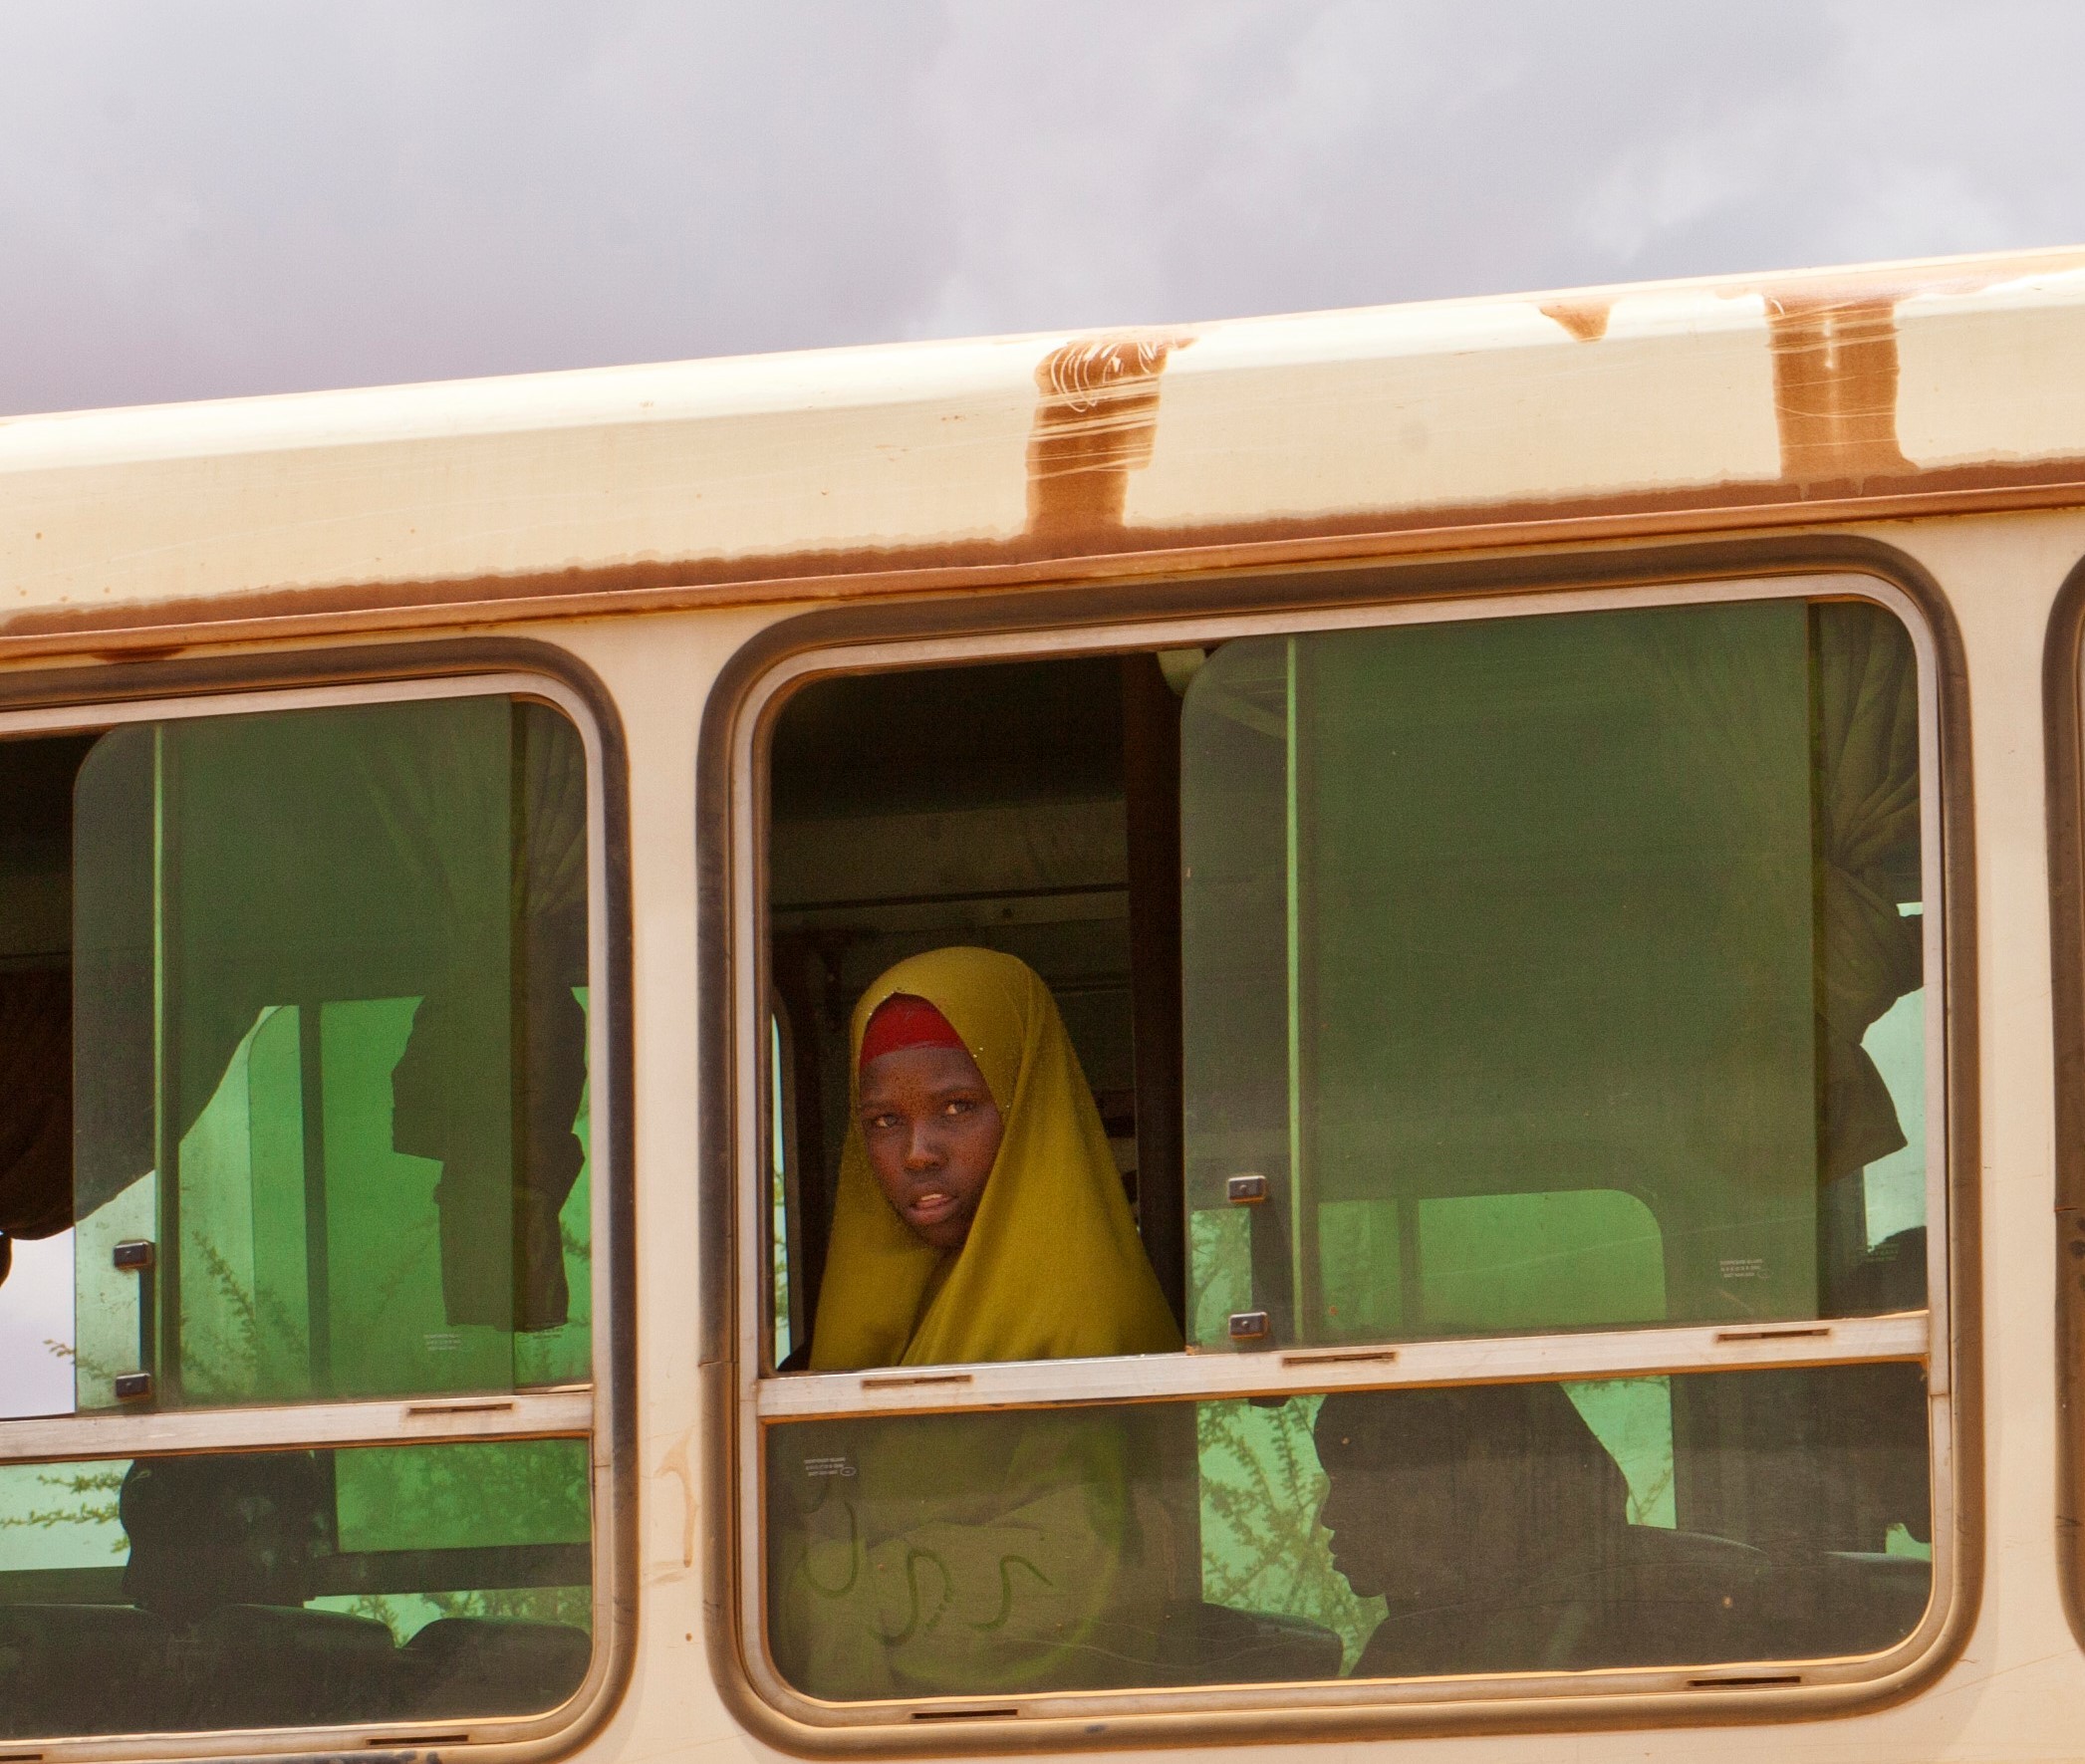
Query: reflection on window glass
[[329, 987], [293, 1588], [1691, 1520], [1555, 972]]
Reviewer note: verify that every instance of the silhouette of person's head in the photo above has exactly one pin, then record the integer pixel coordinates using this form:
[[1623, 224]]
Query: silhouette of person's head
[[224, 1528]]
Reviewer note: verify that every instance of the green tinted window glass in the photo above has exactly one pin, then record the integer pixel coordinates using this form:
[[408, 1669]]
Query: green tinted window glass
[[465, 1495], [1539, 1261], [1694, 1520], [272, 1589], [329, 997], [1484, 1262], [1548, 969]]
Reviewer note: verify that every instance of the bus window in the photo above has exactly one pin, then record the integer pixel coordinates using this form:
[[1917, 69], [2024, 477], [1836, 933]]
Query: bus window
[[320, 994], [294, 1588], [1548, 1226]]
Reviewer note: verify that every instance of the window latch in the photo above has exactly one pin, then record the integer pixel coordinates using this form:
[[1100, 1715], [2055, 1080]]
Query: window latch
[[1246, 1190], [138, 1256]]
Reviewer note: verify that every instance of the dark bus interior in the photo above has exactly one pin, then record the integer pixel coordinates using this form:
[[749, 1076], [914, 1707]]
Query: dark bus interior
[[1028, 806]]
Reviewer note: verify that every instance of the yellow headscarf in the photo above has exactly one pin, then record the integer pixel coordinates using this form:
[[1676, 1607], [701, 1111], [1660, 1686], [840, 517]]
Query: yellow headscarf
[[1052, 1266]]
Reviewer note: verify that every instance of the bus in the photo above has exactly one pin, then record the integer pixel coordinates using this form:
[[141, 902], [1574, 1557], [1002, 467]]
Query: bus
[[1533, 851]]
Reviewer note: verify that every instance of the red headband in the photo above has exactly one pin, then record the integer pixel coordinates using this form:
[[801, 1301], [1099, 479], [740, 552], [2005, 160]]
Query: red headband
[[904, 1021]]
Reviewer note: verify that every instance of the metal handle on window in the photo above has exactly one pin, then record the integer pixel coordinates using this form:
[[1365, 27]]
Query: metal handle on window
[[140, 1256]]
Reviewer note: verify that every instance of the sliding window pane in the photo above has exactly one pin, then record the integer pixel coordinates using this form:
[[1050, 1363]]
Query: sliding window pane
[[293, 1588], [1695, 1520], [329, 995], [1556, 972]]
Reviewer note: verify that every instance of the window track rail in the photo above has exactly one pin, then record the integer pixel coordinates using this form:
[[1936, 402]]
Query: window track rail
[[1153, 1378], [525, 1414]]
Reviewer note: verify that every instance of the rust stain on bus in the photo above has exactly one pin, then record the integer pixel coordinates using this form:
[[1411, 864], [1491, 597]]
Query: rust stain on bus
[[1835, 376], [676, 1464], [1094, 425], [1585, 318]]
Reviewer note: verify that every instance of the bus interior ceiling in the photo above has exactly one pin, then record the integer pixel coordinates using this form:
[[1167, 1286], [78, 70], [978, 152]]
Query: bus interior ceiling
[[1029, 806]]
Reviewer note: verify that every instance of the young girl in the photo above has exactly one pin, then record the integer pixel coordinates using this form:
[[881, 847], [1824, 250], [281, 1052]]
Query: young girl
[[979, 1217]]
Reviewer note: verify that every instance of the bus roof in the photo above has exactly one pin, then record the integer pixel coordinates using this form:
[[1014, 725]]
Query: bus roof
[[1663, 408]]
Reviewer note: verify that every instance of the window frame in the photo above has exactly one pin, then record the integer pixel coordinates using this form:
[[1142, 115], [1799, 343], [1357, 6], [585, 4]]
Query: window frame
[[2063, 719], [732, 811], [600, 1411]]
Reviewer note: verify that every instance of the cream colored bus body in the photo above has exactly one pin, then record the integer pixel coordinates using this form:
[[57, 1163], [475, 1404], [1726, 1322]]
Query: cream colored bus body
[[650, 520]]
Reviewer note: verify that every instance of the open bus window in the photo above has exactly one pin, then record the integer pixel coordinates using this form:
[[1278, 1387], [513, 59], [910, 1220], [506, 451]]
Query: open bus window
[[1522, 1017], [300, 1118], [36, 1072], [973, 807]]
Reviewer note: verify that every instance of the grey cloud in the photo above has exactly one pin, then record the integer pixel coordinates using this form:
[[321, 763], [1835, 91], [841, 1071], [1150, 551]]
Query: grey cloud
[[207, 197]]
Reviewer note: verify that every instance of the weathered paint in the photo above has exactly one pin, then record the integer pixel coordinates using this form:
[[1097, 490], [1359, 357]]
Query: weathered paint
[[1673, 408], [1094, 425], [1835, 375], [1585, 318]]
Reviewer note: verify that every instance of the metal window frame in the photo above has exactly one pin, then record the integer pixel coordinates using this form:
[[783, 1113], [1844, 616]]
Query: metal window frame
[[600, 1411], [2063, 724], [1143, 616]]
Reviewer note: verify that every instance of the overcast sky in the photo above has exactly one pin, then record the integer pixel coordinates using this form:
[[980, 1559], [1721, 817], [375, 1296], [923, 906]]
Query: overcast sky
[[199, 199]]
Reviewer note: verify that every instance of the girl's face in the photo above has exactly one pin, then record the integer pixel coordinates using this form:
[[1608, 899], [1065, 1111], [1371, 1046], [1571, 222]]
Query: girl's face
[[933, 1132]]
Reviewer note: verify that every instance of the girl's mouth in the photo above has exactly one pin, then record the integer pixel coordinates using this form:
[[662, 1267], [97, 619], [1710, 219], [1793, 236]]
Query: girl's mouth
[[930, 1206]]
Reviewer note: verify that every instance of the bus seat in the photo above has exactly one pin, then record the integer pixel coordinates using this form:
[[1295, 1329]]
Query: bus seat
[[487, 1665], [261, 1665], [1872, 1600], [1685, 1597], [1224, 1646], [79, 1669], [1665, 1597]]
